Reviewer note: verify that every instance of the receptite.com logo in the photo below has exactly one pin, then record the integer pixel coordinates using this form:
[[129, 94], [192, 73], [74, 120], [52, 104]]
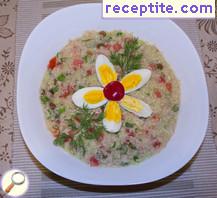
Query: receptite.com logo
[[14, 183]]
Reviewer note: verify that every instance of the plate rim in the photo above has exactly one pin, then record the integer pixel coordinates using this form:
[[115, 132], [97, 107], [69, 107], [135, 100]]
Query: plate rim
[[172, 171]]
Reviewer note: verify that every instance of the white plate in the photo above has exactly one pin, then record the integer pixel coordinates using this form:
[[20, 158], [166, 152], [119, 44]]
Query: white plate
[[51, 35]]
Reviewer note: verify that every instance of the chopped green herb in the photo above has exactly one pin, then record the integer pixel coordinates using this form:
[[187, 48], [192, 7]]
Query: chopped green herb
[[147, 94], [78, 144], [87, 129], [132, 146], [100, 116], [60, 140], [129, 125], [124, 163], [107, 38], [95, 134], [119, 33], [71, 124], [61, 110], [44, 99], [123, 149], [130, 59], [85, 58], [175, 108], [54, 89], [80, 87], [61, 77], [135, 158], [113, 145]]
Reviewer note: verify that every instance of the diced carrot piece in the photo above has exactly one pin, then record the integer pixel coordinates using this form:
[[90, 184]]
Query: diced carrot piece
[[52, 63]]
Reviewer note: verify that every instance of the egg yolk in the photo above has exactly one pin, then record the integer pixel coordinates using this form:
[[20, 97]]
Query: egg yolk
[[94, 96], [106, 74], [112, 112], [131, 81], [132, 103]]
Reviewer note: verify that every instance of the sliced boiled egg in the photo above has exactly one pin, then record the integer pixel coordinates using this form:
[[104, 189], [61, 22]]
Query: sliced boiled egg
[[136, 106], [92, 97], [105, 70], [112, 117], [135, 80]]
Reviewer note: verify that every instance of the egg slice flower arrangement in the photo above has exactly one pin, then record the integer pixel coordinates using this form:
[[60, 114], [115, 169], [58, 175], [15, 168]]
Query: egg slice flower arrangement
[[113, 93]]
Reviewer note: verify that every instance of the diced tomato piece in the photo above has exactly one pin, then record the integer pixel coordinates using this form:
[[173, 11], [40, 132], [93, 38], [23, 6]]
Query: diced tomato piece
[[162, 79], [89, 72], [91, 130], [78, 63], [94, 161], [157, 93], [116, 47], [52, 106], [156, 117], [107, 46], [130, 133], [52, 63], [67, 91], [71, 132], [77, 119], [68, 139], [101, 138], [169, 86], [152, 66], [156, 144]]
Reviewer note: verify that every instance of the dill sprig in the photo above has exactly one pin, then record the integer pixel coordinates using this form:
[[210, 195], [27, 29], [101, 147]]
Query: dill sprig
[[130, 59], [89, 127]]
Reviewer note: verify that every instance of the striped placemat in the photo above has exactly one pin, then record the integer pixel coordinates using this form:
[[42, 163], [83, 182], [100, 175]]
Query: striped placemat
[[197, 179]]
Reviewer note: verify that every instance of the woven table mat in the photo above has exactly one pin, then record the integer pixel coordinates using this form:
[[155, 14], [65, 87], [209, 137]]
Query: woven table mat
[[196, 179]]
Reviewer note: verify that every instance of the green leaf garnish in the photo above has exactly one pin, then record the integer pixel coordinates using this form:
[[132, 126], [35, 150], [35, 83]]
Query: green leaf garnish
[[130, 59], [80, 87], [119, 33], [53, 90], [60, 140], [88, 127], [175, 108], [135, 158], [61, 110], [44, 99], [85, 58], [61, 77], [100, 116], [71, 124], [129, 125]]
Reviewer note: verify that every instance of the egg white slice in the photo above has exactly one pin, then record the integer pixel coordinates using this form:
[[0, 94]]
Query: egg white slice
[[136, 106], [96, 96], [105, 70], [135, 79], [112, 117]]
